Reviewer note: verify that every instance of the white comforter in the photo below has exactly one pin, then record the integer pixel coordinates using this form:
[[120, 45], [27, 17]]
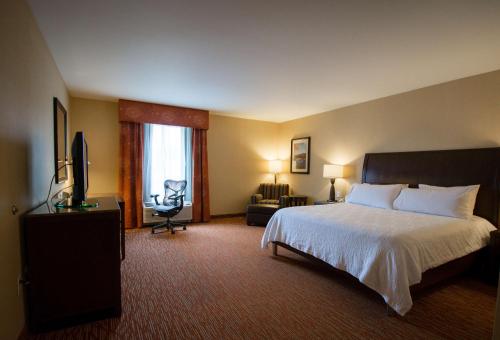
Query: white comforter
[[387, 250]]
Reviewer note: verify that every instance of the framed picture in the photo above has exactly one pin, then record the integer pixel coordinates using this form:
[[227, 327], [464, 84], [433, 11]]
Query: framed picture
[[300, 155], [60, 141]]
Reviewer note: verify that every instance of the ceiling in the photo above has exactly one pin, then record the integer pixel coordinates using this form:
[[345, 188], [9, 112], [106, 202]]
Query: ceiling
[[272, 60]]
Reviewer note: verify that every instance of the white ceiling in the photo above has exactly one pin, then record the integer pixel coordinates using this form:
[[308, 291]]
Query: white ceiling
[[266, 59]]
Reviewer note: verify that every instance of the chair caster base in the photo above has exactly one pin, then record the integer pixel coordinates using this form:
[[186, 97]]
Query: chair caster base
[[159, 229], [171, 225]]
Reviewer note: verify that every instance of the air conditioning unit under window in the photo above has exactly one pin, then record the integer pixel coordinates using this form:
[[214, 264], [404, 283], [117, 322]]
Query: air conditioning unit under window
[[186, 214]]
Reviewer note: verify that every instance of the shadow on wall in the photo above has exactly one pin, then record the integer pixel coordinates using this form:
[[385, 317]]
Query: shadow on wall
[[39, 170], [24, 179], [15, 181], [15, 177]]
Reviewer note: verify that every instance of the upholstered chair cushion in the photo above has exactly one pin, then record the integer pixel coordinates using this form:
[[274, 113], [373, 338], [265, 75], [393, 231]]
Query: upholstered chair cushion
[[267, 201], [273, 191]]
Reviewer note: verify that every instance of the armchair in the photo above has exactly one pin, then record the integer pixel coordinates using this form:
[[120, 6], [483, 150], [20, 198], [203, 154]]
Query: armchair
[[270, 193], [277, 194], [268, 200]]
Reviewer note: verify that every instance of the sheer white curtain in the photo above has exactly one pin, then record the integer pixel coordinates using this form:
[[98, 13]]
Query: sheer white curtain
[[167, 155]]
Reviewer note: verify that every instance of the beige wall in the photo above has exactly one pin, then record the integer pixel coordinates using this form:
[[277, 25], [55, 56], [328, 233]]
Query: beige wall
[[99, 122], [29, 80], [237, 154], [460, 114]]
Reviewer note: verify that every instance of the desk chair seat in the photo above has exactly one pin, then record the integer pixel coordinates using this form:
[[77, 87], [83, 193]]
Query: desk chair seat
[[164, 208], [172, 204]]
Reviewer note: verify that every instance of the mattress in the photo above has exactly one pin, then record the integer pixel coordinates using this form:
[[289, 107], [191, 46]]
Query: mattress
[[386, 250]]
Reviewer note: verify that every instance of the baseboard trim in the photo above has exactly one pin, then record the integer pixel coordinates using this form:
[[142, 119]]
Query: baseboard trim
[[228, 215]]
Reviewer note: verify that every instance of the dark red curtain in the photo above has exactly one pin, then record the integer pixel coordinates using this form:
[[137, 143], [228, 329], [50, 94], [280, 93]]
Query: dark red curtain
[[131, 155], [201, 202], [132, 116]]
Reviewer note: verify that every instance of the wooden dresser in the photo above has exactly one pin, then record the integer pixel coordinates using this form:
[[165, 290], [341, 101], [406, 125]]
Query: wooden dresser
[[71, 264]]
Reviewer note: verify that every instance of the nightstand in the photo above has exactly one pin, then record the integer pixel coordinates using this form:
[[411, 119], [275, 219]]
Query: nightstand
[[325, 202], [296, 200]]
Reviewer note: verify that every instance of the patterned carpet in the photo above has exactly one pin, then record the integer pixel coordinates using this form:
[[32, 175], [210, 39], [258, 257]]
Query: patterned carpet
[[214, 282]]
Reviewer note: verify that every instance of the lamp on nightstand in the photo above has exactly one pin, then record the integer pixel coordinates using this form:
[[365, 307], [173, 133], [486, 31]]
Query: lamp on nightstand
[[275, 167], [333, 171]]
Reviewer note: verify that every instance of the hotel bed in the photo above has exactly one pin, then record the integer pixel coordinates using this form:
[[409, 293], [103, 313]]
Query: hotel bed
[[395, 252]]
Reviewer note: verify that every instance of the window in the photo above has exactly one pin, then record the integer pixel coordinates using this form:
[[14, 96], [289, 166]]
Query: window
[[167, 155]]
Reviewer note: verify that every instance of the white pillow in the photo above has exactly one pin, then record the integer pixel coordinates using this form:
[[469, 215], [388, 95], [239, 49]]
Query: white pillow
[[470, 192], [457, 189], [453, 202], [374, 195]]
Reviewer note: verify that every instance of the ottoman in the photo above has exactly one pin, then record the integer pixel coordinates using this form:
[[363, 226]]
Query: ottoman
[[259, 214]]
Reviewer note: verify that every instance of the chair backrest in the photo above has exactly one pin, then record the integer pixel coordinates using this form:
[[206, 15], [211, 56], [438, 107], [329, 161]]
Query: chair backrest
[[173, 187], [273, 191]]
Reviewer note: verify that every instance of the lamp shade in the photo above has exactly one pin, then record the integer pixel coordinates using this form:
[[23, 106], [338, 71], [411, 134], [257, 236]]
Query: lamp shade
[[275, 166], [333, 171]]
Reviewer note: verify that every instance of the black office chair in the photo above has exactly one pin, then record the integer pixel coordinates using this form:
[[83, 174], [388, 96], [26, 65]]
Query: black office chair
[[173, 202]]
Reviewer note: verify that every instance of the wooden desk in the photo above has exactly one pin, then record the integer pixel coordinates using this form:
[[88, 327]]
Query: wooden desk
[[71, 264]]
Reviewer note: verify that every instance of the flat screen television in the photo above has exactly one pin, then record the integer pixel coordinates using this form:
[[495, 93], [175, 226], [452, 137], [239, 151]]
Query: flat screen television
[[79, 152]]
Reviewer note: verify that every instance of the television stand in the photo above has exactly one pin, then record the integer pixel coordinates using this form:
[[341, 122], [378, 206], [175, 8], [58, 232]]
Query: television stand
[[71, 264]]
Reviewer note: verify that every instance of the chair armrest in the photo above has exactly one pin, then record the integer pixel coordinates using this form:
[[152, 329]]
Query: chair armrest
[[256, 198], [156, 198], [284, 201], [292, 201], [181, 197], [176, 197]]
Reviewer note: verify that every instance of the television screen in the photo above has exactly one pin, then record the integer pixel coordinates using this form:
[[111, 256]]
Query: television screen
[[79, 153]]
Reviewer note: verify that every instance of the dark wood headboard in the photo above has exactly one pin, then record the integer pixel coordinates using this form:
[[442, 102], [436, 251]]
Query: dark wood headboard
[[443, 168]]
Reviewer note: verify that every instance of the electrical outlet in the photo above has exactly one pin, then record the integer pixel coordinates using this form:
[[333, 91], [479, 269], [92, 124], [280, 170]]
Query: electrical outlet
[[19, 284]]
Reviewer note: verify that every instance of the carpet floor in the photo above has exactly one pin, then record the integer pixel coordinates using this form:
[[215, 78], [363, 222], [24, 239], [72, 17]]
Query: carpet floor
[[214, 282]]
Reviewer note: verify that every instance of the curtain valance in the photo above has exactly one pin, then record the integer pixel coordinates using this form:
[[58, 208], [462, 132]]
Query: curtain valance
[[141, 112]]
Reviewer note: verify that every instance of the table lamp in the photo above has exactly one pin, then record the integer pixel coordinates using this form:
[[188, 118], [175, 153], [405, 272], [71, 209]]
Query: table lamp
[[333, 171], [275, 167]]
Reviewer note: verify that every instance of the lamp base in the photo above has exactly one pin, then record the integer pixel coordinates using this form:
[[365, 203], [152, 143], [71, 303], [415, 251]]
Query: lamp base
[[332, 191]]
